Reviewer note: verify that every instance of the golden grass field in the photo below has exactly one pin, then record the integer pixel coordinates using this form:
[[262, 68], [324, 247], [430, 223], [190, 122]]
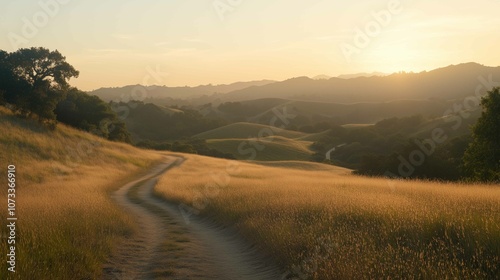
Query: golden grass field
[[323, 223], [67, 222], [316, 220]]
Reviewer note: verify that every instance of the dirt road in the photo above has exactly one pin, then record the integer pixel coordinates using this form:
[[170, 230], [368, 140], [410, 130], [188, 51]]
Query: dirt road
[[165, 247]]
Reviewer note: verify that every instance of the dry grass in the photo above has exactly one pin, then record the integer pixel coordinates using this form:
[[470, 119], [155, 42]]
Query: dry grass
[[327, 224], [67, 222]]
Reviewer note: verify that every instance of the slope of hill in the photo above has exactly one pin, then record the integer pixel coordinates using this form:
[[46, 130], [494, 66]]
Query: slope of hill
[[246, 130], [274, 148], [63, 178], [455, 81]]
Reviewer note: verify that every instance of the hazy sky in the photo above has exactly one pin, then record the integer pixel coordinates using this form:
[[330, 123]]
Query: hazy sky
[[121, 42]]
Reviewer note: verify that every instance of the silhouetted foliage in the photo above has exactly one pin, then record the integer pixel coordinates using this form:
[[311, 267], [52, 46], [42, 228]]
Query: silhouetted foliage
[[444, 163], [388, 149], [482, 158], [91, 114], [13, 91], [36, 81]]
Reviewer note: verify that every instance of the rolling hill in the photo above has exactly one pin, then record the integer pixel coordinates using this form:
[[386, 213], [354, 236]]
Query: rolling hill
[[246, 130], [249, 141], [275, 148]]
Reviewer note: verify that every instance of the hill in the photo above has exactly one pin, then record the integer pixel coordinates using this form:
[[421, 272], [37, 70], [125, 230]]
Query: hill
[[276, 148], [246, 130], [146, 121], [157, 94], [63, 177], [452, 82]]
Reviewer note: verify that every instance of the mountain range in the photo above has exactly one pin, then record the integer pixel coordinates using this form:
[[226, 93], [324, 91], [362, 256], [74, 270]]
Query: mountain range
[[447, 83]]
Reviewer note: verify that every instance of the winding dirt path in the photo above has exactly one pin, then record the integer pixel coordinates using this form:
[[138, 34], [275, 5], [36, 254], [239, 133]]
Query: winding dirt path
[[165, 247]]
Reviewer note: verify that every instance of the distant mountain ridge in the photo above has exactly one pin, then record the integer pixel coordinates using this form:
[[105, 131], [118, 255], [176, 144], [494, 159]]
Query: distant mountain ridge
[[452, 82], [357, 75], [447, 83], [130, 92]]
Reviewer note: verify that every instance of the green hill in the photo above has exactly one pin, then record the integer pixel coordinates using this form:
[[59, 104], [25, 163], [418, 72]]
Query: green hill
[[246, 130], [276, 148]]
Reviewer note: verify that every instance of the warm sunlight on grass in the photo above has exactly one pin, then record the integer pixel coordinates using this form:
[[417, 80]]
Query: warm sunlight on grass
[[327, 224], [66, 220]]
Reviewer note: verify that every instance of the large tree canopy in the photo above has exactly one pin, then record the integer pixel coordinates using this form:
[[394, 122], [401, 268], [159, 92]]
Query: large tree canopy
[[34, 81], [482, 158], [39, 65], [90, 113]]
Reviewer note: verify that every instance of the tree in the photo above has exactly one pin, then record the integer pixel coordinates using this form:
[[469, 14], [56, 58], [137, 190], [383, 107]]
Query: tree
[[482, 157], [118, 132], [39, 66], [84, 111], [45, 75], [11, 88], [90, 113]]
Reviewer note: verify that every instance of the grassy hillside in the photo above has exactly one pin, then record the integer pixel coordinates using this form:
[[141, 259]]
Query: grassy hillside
[[274, 148], [246, 130], [325, 224], [66, 221]]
